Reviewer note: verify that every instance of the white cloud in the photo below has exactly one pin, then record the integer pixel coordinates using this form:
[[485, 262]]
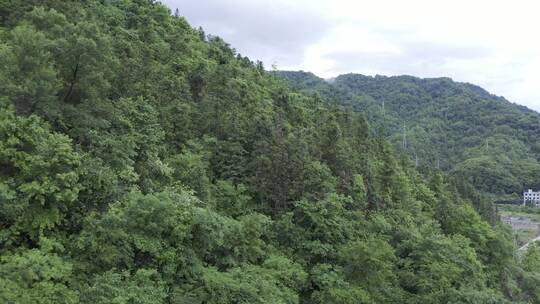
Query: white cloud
[[493, 43]]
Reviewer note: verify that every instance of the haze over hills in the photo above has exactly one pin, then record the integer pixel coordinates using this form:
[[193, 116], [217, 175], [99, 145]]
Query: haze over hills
[[458, 127]]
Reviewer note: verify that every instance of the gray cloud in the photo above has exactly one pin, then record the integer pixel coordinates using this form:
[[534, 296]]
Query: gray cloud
[[261, 30], [417, 57]]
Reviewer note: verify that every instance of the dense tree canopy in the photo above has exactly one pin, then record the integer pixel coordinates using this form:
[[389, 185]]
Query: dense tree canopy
[[143, 161]]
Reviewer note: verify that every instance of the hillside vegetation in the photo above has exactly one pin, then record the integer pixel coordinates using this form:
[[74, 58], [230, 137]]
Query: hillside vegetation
[[143, 161], [457, 127]]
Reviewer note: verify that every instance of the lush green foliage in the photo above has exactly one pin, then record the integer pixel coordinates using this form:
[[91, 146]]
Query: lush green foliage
[[142, 161], [458, 127]]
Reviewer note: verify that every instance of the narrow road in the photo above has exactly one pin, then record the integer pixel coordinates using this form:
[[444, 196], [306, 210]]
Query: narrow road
[[524, 247]]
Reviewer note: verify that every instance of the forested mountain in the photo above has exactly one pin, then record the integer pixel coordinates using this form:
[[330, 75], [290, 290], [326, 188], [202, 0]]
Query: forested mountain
[[459, 127], [143, 161]]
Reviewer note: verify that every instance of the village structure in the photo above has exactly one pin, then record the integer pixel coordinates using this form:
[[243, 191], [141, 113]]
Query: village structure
[[531, 197]]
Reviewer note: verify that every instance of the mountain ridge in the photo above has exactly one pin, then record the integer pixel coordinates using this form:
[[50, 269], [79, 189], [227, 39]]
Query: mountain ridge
[[466, 83]]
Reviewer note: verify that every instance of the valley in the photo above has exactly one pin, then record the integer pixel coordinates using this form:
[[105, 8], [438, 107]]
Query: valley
[[524, 221]]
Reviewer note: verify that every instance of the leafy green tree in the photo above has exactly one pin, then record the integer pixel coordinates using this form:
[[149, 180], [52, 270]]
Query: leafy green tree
[[28, 77], [36, 276], [249, 284], [359, 190], [229, 199], [191, 168], [143, 287], [437, 265], [370, 264], [39, 181], [331, 287]]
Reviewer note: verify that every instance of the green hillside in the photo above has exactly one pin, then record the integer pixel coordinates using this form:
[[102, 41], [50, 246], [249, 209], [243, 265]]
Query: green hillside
[[143, 161], [458, 127]]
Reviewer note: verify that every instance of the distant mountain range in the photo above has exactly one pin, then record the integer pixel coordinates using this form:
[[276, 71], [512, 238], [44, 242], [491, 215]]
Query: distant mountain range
[[459, 127]]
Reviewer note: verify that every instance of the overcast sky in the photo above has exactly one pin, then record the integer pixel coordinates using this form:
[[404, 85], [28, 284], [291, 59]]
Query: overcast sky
[[494, 44]]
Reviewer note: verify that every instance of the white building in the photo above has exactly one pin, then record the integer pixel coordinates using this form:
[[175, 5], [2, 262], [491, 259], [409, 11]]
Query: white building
[[531, 196]]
